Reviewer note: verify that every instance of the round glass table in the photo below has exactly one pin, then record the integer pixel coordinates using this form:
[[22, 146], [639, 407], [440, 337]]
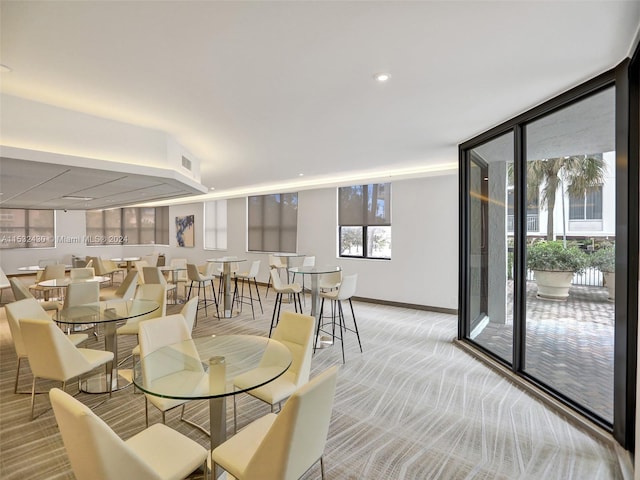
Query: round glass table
[[107, 313], [204, 368]]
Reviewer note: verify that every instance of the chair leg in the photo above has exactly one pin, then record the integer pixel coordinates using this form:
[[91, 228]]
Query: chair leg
[[235, 416], [341, 326], [273, 316], [315, 343], [146, 411], [33, 395], [321, 468], [355, 325], [15, 385], [257, 292]]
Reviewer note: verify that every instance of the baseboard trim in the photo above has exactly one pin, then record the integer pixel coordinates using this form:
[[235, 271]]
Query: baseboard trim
[[428, 308]]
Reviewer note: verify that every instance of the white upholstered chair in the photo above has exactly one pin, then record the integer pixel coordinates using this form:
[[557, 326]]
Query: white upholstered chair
[[126, 290], [292, 289], [286, 445], [50, 272], [155, 334], [53, 356], [190, 312], [295, 331], [96, 451], [278, 264], [345, 291], [154, 275], [200, 279], [139, 266], [83, 273], [21, 292], [29, 308], [154, 292]]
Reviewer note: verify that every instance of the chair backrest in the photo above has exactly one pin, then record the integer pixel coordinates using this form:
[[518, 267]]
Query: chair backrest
[[51, 354], [47, 261], [329, 281], [4, 281], [81, 273], [27, 308], [82, 294], [309, 261], [296, 332], [98, 265], [347, 287], [19, 289], [94, 449], [255, 268], [127, 289], [140, 264], [153, 275], [276, 262], [189, 312], [158, 333], [275, 280], [53, 271], [155, 292], [151, 259], [193, 273], [297, 438], [181, 275]]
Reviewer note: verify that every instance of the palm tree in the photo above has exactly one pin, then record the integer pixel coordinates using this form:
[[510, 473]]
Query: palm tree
[[580, 174]]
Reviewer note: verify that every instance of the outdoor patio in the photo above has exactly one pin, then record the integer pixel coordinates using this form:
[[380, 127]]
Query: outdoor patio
[[569, 344]]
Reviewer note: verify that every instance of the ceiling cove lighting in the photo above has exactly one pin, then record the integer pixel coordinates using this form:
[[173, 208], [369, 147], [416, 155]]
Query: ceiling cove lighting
[[72, 197], [382, 77]]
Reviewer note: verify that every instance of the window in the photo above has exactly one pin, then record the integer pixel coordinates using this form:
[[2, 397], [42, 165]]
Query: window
[[215, 225], [587, 206], [273, 223], [128, 226], [27, 228], [364, 218]]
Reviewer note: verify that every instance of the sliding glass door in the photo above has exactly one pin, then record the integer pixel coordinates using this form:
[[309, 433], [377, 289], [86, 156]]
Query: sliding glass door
[[549, 247]]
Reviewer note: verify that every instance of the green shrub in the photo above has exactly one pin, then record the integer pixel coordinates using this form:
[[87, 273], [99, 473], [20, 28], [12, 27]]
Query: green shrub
[[604, 258], [553, 256]]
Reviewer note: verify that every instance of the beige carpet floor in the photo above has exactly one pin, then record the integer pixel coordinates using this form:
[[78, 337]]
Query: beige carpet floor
[[412, 406]]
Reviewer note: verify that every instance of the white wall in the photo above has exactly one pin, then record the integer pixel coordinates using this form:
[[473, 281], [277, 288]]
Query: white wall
[[423, 269]]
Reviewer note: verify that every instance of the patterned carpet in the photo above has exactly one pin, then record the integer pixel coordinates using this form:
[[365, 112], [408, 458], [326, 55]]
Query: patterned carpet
[[412, 406]]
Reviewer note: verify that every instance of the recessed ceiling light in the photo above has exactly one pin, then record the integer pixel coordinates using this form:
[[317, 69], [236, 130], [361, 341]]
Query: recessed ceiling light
[[301, 174], [382, 77], [5, 68], [212, 188]]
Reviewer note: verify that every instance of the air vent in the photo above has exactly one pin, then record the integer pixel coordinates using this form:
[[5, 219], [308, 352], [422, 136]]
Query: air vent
[[186, 163]]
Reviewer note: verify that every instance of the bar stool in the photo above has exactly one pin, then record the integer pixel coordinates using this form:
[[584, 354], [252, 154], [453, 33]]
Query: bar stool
[[195, 276], [246, 277], [345, 291], [292, 289]]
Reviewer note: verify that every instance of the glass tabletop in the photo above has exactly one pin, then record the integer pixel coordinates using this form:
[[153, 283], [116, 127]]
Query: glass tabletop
[[108, 311], [316, 269], [204, 367], [226, 260], [64, 282]]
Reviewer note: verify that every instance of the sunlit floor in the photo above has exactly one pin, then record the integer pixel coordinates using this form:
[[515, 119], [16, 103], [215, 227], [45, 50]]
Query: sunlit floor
[[569, 345]]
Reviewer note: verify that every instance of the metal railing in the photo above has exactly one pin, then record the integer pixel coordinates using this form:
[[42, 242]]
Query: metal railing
[[532, 223], [591, 277]]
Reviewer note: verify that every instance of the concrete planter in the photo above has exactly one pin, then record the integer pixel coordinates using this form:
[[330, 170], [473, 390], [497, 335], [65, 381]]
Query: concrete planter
[[553, 285]]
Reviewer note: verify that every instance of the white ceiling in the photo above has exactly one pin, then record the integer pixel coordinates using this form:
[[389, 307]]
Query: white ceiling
[[262, 91]]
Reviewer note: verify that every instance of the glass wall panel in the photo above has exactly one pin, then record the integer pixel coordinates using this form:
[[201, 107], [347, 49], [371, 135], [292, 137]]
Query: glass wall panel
[[569, 309], [490, 241]]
